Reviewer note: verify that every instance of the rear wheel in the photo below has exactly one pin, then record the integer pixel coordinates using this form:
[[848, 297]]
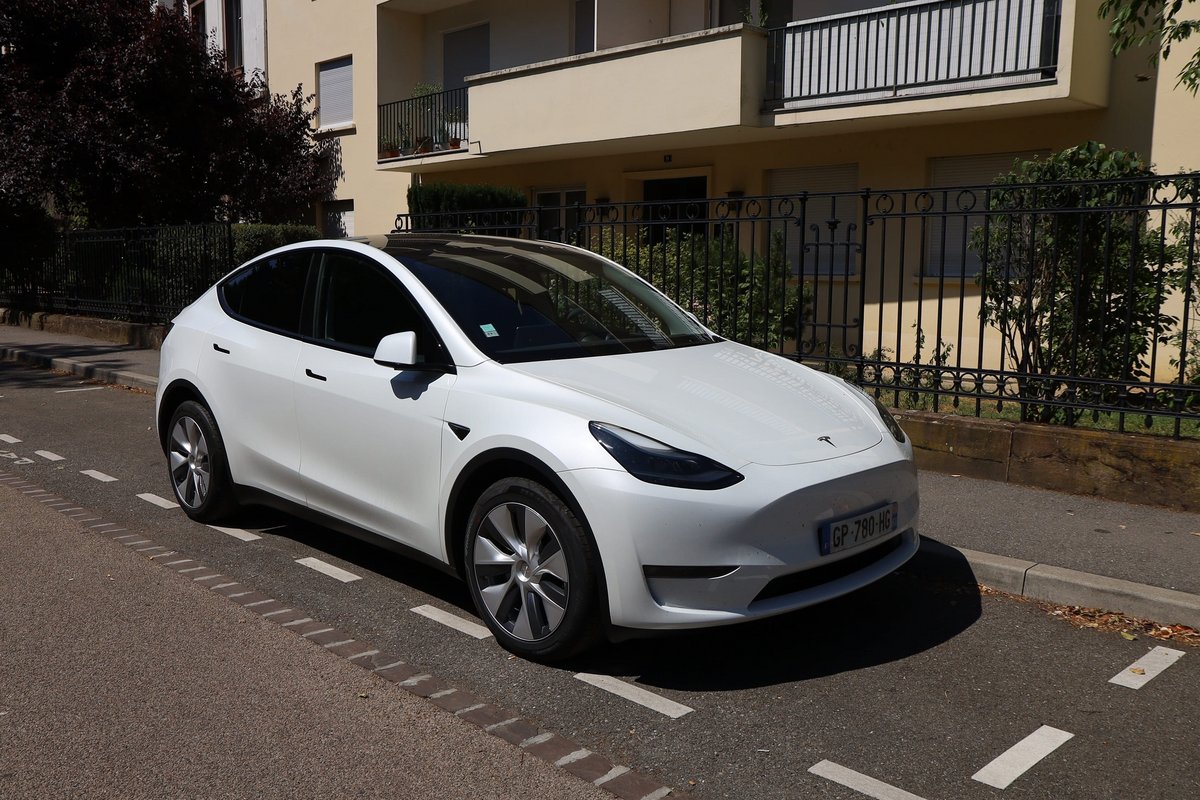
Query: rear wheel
[[196, 464], [532, 571]]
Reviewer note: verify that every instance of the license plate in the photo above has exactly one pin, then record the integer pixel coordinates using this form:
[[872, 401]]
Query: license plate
[[851, 532]]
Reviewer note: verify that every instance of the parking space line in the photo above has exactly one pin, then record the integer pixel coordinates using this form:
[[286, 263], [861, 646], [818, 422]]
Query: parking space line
[[236, 533], [863, 784], [4, 437], [155, 500], [1146, 668], [85, 389], [46, 454], [336, 573], [636, 694], [452, 621], [100, 476], [1022, 756]]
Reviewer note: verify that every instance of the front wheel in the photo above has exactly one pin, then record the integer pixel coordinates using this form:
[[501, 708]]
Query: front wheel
[[196, 463], [532, 571]]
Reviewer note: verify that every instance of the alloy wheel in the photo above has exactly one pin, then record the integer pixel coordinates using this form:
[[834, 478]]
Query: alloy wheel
[[521, 571], [190, 470]]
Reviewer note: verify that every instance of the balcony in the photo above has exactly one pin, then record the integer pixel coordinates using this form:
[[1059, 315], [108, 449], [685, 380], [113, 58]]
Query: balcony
[[432, 124], [922, 48]]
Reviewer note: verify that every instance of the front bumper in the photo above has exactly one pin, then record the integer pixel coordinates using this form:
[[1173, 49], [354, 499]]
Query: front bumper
[[747, 551]]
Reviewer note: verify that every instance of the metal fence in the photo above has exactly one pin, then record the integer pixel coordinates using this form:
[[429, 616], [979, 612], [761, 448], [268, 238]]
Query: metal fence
[[1056, 303], [135, 274], [913, 48]]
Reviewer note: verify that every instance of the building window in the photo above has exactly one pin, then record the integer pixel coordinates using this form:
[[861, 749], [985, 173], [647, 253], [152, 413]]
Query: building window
[[233, 35], [948, 234], [465, 52], [585, 26], [821, 242], [199, 21], [335, 92], [558, 219], [338, 221]]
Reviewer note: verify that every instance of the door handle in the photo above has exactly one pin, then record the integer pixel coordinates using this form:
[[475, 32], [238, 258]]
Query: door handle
[[312, 374], [220, 349]]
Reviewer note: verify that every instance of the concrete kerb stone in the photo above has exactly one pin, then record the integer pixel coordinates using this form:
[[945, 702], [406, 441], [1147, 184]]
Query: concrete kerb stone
[[1069, 587], [82, 369]]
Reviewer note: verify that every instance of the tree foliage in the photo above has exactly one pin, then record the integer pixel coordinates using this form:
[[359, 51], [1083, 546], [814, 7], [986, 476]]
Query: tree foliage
[[115, 113], [1073, 275], [1157, 23]]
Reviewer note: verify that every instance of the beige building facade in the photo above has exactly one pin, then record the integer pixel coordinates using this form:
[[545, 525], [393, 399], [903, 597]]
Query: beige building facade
[[583, 101], [597, 97]]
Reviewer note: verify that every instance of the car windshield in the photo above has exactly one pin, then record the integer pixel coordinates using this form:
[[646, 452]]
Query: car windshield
[[530, 302]]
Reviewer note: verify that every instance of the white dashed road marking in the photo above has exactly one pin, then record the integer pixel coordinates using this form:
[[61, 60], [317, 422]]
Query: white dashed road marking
[[155, 500], [1022, 756], [636, 694], [100, 476], [4, 437], [863, 784], [87, 389], [46, 454], [329, 569], [236, 533], [451, 621], [1146, 668]]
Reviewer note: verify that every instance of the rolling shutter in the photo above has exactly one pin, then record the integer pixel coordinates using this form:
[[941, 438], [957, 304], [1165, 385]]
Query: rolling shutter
[[335, 92]]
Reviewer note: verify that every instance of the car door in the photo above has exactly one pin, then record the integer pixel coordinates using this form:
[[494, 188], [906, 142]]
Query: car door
[[247, 372], [371, 435]]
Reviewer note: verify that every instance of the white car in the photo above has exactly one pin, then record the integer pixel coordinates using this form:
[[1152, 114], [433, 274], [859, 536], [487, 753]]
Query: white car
[[539, 420]]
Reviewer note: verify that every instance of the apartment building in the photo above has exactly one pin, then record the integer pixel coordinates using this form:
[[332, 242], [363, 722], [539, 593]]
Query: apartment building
[[578, 100]]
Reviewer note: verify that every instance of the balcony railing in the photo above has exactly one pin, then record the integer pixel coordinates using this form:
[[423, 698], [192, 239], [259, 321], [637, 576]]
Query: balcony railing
[[419, 126], [913, 49]]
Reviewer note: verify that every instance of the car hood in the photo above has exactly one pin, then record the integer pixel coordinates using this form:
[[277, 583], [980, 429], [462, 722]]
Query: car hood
[[745, 405]]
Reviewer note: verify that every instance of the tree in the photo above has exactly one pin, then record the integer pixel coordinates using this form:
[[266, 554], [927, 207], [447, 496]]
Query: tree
[[114, 113], [1073, 275], [1156, 23]]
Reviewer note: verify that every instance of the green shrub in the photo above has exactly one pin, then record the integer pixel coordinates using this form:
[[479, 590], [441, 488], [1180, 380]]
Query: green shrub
[[458, 205], [250, 241]]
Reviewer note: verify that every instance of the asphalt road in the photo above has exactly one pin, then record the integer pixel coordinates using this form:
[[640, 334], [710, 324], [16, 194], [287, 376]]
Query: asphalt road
[[919, 681]]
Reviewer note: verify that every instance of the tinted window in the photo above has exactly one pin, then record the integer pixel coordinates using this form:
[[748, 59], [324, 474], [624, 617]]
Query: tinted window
[[530, 303], [361, 303], [270, 292]]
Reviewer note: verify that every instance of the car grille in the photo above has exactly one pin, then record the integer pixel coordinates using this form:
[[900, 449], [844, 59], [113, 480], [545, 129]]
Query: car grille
[[816, 576]]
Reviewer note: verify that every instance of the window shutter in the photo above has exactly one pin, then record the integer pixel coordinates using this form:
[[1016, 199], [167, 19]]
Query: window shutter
[[821, 255], [335, 92]]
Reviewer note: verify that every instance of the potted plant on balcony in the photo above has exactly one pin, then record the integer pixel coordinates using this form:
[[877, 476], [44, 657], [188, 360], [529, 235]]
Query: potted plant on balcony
[[452, 128], [388, 149]]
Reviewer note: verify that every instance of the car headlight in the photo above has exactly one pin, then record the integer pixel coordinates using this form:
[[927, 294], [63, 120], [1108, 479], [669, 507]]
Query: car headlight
[[654, 462], [885, 414]]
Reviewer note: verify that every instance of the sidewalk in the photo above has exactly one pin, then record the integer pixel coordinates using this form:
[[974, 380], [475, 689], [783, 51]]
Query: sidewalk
[[1066, 549]]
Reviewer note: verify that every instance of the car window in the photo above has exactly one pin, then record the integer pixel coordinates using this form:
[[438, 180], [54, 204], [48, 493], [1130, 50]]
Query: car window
[[270, 292], [532, 303], [360, 303]]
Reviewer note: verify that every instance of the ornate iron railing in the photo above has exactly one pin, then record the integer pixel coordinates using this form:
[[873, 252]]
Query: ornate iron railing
[[432, 123], [913, 49], [1054, 303]]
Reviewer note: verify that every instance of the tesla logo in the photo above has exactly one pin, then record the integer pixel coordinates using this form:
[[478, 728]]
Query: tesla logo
[[826, 440]]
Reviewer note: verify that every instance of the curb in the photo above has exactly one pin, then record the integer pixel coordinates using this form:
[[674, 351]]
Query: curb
[[521, 732], [1069, 587], [83, 369]]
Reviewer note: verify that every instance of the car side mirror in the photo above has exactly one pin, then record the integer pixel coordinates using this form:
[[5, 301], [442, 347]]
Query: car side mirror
[[397, 350]]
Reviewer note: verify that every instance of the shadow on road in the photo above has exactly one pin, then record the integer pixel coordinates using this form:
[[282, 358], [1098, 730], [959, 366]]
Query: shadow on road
[[929, 601]]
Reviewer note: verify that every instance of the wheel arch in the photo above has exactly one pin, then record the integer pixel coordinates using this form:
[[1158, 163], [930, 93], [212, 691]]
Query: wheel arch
[[485, 469], [180, 391]]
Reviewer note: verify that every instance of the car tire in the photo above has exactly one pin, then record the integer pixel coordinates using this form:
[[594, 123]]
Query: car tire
[[531, 569], [196, 464]]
